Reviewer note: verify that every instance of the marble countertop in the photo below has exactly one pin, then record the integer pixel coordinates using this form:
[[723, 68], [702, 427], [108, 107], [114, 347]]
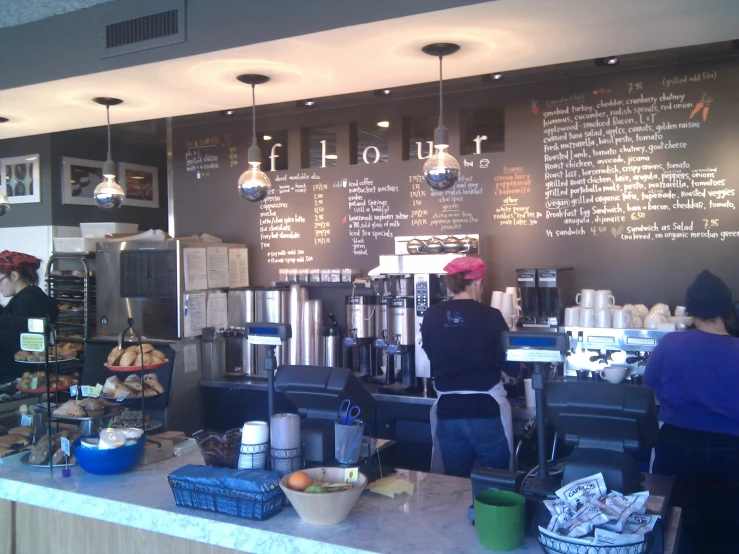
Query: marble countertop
[[433, 520]]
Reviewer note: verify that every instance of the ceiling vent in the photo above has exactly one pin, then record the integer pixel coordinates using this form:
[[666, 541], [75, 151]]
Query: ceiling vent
[[148, 30]]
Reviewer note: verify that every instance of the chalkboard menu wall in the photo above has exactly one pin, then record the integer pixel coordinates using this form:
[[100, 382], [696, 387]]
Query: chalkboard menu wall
[[628, 178]]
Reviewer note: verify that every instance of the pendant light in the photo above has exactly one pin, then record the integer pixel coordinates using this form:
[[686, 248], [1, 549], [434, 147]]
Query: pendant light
[[108, 194], [441, 170], [254, 183]]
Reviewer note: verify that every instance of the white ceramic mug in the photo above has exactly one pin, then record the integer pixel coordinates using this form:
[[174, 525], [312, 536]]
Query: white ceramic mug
[[497, 299], [614, 373], [585, 298], [603, 299], [680, 311], [572, 317], [636, 321], [621, 319], [603, 318], [587, 317]]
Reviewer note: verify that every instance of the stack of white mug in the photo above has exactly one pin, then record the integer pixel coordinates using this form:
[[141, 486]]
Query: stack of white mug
[[508, 303], [596, 308]]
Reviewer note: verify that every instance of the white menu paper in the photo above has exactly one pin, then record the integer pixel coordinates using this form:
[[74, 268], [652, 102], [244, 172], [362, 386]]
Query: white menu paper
[[190, 355], [196, 269], [218, 275], [217, 310], [194, 313], [238, 267]]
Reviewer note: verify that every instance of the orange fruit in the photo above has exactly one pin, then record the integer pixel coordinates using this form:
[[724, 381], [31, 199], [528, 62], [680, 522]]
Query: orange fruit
[[299, 481]]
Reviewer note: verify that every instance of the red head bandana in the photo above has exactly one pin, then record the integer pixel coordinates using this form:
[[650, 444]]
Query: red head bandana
[[14, 261], [473, 268]]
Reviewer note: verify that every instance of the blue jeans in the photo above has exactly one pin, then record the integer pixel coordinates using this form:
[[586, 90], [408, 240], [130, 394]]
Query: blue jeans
[[469, 443]]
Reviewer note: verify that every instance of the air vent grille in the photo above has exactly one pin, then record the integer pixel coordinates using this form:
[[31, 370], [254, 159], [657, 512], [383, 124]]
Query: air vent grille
[[124, 34], [149, 27], [150, 274]]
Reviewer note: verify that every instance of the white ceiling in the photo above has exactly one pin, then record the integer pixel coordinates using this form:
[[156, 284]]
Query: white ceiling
[[495, 36]]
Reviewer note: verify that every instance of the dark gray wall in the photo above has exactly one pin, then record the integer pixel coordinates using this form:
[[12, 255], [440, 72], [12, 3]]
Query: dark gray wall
[[78, 144], [649, 271], [26, 215], [211, 25]]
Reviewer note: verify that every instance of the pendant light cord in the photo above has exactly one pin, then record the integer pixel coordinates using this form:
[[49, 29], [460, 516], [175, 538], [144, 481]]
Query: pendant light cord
[[253, 115], [107, 112], [441, 94]]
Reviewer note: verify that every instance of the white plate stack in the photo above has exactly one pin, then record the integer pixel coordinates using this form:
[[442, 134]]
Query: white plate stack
[[254, 445]]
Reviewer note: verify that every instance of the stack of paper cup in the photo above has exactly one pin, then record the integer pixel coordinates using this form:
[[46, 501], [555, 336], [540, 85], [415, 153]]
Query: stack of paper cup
[[530, 394], [285, 443], [254, 443]]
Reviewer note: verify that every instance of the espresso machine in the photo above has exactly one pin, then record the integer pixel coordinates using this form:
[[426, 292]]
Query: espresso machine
[[359, 343], [544, 293]]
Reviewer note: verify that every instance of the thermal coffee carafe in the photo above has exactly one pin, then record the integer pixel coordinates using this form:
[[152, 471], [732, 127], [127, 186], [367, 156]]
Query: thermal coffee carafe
[[381, 342], [401, 351], [332, 343], [360, 340]]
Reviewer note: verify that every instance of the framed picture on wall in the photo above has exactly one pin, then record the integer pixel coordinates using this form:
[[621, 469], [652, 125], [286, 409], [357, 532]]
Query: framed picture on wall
[[141, 184], [79, 179], [20, 179]]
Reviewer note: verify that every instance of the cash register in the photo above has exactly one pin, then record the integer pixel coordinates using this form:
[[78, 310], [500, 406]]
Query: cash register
[[602, 421]]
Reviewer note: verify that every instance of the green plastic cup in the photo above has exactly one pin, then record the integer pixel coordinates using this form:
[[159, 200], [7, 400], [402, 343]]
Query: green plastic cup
[[500, 518]]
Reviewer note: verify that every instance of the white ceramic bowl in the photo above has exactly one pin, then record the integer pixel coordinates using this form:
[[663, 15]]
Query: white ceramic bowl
[[327, 508], [652, 321]]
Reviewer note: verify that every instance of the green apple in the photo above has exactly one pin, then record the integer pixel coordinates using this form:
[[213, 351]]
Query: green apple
[[315, 489]]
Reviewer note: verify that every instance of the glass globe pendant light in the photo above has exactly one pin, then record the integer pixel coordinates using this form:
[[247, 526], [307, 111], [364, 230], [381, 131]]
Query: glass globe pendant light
[[441, 170], [254, 183], [108, 194]]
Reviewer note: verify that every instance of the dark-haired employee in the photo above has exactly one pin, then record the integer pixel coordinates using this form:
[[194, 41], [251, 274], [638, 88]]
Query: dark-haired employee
[[19, 282], [695, 377], [471, 421]]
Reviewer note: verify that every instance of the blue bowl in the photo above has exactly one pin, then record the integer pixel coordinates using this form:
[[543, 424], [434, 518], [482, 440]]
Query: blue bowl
[[107, 462]]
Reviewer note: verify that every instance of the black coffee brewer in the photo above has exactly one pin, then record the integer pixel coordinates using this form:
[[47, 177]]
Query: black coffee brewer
[[401, 350], [544, 293], [359, 351]]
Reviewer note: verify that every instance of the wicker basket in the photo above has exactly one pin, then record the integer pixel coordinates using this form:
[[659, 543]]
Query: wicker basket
[[250, 505], [562, 545]]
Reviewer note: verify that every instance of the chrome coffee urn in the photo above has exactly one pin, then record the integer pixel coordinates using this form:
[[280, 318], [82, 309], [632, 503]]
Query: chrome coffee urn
[[401, 351], [359, 344]]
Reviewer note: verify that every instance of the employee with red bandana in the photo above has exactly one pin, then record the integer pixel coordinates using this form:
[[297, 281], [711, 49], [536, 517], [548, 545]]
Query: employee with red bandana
[[471, 421], [19, 282]]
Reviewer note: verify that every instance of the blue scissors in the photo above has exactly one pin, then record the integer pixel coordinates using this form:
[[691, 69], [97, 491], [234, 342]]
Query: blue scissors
[[348, 412]]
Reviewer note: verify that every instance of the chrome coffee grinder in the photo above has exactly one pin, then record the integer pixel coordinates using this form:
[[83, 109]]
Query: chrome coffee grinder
[[359, 351]]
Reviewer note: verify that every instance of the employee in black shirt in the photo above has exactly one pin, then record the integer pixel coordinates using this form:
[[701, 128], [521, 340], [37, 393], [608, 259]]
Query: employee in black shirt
[[19, 282], [471, 421]]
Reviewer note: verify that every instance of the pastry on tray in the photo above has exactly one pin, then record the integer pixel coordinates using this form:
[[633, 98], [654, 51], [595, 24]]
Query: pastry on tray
[[131, 356]]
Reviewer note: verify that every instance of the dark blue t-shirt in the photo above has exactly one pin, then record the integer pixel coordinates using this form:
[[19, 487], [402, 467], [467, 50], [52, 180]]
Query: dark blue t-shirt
[[462, 339], [695, 377]]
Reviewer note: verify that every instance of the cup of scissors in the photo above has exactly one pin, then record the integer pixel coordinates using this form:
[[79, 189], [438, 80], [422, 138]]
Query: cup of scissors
[[348, 433]]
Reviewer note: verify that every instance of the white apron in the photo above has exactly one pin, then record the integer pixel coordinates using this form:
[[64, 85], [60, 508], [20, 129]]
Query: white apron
[[499, 393]]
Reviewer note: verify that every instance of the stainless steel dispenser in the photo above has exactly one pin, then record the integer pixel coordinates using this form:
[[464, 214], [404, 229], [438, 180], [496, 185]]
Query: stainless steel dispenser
[[401, 345], [271, 306], [361, 329], [241, 311]]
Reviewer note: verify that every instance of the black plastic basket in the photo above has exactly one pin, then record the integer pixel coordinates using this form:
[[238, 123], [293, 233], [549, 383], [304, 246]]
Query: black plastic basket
[[249, 505], [550, 545]]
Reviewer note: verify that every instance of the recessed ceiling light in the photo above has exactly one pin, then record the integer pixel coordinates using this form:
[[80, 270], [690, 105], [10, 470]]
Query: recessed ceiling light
[[305, 103], [382, 92], [267, 137], [227, 113], [4, 120], [609, 60], [497, 76], [332, 157], [384, 124]]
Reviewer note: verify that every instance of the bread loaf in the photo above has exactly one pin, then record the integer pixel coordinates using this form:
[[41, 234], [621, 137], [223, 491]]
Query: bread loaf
[[133, 382], [25, 431], [128, 359], [152, 380], [115, 356]]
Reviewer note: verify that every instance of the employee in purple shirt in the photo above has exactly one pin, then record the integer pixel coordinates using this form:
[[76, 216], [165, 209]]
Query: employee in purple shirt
[[695, 377], [471, 420]]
